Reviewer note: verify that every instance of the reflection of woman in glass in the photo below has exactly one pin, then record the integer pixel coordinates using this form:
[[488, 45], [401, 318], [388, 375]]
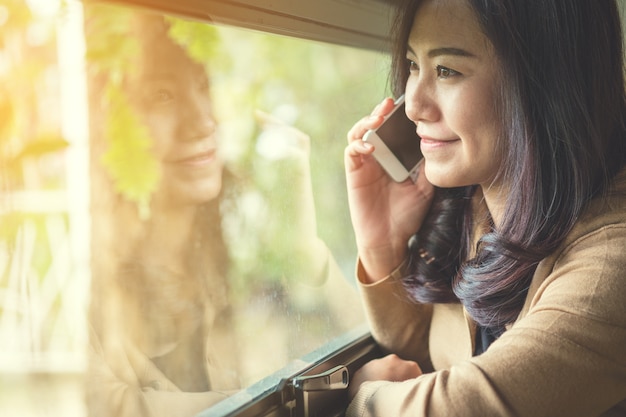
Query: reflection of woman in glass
[[162, 339]]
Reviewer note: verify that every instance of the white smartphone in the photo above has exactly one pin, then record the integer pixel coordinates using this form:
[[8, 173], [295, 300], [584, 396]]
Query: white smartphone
[[396, 144]]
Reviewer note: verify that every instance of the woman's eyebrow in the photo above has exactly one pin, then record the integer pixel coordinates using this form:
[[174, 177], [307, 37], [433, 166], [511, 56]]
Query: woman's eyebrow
[[159, 76], [450, 51], [433, 53]]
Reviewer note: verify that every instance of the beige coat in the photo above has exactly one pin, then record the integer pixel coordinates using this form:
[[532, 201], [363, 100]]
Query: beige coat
[[564, 356], [123, 380]]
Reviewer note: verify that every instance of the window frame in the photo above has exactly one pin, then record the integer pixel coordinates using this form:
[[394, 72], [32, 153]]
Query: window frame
[[357, 23], [276, 396]]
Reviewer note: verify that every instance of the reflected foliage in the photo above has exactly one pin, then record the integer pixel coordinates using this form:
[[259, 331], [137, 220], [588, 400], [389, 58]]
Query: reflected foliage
[[128, 158]]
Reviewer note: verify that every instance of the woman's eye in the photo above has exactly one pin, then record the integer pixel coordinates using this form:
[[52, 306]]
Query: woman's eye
[[412, 66], [162, 96], [203, 85], [444, 72]]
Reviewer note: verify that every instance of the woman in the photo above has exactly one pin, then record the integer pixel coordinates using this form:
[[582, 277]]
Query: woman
[[497, 280], [168, 331], [162, 340]]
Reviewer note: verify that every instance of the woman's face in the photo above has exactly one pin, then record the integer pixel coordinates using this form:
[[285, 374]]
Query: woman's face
[[171, 94], [450, 94]]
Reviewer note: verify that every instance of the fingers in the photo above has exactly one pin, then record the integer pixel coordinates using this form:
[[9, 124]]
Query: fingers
[[384, 107], [279, 139], [358, 147], [354, 155], [387, 368], [361, 127], [400, 369], [372, 121]]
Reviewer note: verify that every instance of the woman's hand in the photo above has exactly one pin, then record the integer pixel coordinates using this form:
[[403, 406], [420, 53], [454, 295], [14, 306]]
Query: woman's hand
[[388, 368], [385, 214]]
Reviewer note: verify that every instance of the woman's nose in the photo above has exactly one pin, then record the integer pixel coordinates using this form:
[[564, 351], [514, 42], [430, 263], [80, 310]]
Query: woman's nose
[[197, 120], [420, 102]]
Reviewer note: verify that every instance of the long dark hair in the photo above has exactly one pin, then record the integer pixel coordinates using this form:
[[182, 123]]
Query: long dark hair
[[562, 103]]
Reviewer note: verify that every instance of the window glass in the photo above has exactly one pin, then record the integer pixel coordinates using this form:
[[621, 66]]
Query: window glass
[[173, 216]]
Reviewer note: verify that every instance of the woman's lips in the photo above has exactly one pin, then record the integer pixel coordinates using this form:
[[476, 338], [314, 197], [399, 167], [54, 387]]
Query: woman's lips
[[427, 143], [197, 159]]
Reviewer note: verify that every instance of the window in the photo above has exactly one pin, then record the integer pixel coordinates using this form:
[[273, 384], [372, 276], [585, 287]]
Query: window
[[173, 211]]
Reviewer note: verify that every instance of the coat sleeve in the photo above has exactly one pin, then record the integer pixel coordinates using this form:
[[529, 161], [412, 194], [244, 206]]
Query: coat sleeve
[[122, 383], [398, 324], [565, 357]]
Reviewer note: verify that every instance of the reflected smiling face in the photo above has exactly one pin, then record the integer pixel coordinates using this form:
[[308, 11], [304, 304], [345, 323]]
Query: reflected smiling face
[[171, 94], [450, 94]]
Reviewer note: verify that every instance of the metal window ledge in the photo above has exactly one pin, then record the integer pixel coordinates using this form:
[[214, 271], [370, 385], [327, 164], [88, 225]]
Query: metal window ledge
[[292, 392]]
